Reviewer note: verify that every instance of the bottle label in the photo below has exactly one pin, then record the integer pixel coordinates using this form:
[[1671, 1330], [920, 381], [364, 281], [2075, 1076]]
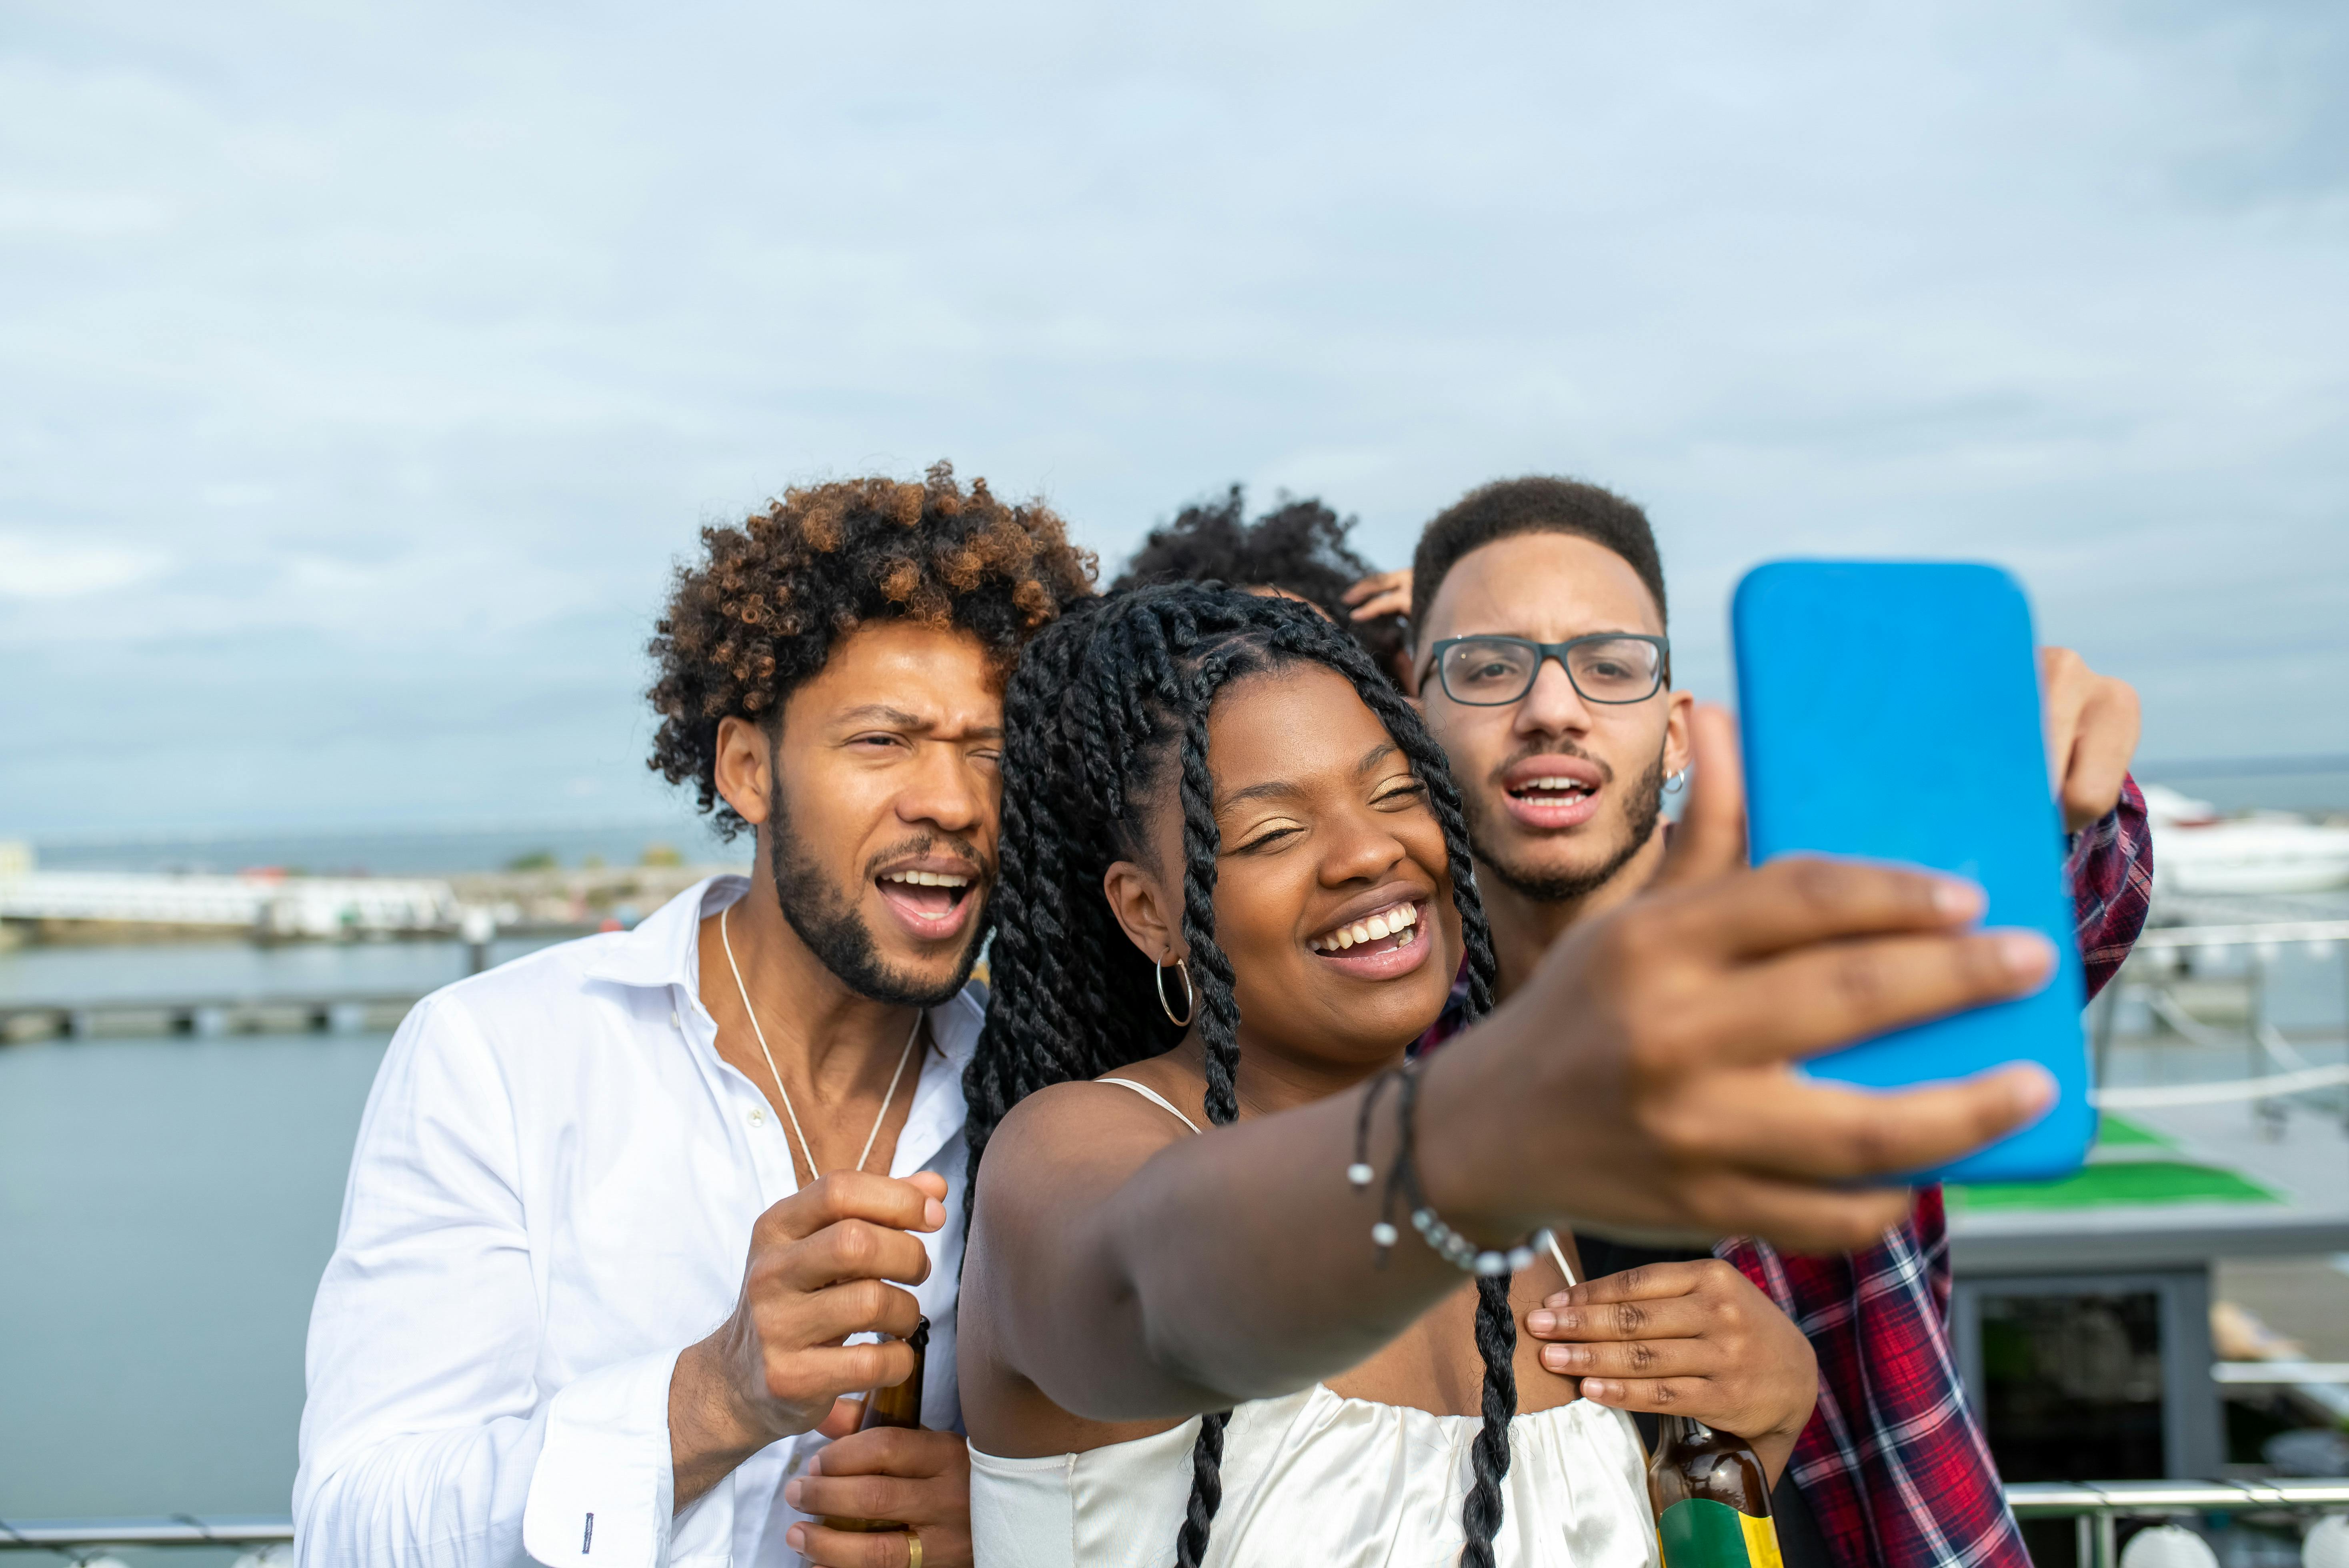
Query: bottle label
[[1698, 1532]]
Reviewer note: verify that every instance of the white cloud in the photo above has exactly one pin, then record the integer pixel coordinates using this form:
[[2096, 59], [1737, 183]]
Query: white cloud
[[34, 567], [418, 334]]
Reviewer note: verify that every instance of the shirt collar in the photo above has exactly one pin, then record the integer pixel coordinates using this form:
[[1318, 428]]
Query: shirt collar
[[665, 950], [665, 947]]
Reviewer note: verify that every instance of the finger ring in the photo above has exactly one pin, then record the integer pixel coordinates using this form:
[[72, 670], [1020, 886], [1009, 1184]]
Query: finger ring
[[913, 1547]]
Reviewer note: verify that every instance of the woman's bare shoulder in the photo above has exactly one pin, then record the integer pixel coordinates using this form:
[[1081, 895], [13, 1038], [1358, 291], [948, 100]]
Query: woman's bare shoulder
[[1094, 1126]]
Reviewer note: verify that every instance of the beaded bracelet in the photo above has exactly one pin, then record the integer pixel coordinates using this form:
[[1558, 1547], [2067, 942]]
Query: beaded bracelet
[[1403, 1178]]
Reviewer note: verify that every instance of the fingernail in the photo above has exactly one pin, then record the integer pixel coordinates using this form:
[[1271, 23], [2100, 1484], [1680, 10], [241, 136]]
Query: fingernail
[[1957, 898], [2034, 1090], [1563, 1298], [1540, 1322], [1554, 1357], [2025, 952], [791, 1492], [1598, 1388], [796, 1538], [815, 1464], [934, 1214]]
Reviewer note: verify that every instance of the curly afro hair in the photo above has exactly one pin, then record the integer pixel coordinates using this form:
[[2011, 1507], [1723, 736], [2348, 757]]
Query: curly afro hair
[[759, 612], [1299, 547]]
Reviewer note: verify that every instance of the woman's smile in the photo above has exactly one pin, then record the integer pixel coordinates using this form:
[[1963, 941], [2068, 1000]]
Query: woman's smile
[[1377, 937]]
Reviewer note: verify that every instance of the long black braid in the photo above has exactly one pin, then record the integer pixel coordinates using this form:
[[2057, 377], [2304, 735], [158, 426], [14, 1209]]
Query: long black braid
[[1098, 702]]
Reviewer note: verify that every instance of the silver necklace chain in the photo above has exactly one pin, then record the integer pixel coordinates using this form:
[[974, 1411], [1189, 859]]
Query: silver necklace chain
[[783, 1094]]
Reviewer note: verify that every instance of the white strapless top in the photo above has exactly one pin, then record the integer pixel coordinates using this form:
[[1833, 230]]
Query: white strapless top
[[1338, 1483]]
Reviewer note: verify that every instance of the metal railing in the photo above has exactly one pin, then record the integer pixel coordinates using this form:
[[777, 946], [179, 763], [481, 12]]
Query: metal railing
[[2277, 1069], [2098, 1507], [84, 1537]]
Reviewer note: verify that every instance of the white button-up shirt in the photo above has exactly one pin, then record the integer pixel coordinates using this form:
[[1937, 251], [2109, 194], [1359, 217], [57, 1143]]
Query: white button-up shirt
[[553, 1195]]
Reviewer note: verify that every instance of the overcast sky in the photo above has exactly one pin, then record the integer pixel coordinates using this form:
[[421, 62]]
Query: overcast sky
[[363, 367]]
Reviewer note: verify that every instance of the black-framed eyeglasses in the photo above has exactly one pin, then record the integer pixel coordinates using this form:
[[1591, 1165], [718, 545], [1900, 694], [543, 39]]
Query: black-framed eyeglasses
[[1605, 667]]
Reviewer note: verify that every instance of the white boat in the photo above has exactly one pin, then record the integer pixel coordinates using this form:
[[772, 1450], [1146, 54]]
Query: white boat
[[2196, 850]]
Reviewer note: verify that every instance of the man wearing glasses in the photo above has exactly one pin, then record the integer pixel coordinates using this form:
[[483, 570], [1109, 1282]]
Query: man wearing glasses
[[1540, 658]]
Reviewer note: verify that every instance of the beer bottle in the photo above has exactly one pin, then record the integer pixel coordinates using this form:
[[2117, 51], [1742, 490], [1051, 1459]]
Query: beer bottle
[[1711, 1498], [899, 1405]]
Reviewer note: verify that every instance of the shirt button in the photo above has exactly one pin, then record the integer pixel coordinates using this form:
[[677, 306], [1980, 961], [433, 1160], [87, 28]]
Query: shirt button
[[757, 1116], [674, 1022]]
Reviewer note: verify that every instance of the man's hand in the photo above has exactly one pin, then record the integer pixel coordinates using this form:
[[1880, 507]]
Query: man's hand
[[820, 1268], [920, 1478], [2092, 729], [1382, 594], [1664, 1083], [1686, 1340]]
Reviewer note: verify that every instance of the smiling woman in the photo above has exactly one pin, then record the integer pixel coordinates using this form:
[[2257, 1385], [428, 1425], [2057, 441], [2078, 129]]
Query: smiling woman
[[1222, 784]]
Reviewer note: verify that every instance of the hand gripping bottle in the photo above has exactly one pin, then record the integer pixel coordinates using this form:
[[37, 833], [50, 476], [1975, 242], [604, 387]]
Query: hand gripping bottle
[[899, 1405], [1711, 1498]]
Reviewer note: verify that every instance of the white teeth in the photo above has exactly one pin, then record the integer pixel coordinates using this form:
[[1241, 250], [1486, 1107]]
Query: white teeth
[[926, 878], [1554, 782], [1391, 922]]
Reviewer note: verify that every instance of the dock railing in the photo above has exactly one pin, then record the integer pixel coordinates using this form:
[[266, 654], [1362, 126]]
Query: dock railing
[[2098, 1507], [83, 1538]]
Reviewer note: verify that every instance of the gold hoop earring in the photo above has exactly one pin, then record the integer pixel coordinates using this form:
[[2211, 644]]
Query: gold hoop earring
[[1190, 1002]]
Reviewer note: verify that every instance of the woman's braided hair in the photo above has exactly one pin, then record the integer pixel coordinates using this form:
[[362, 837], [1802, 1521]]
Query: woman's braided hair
[[1097, 703]]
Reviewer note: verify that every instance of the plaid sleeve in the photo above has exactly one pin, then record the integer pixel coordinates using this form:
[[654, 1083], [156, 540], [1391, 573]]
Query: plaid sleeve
[[2110, 872], [1892, 1464]]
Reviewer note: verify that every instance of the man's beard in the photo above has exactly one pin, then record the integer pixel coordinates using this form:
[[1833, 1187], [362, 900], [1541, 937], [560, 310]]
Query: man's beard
[[827, 922], [1642, 807]]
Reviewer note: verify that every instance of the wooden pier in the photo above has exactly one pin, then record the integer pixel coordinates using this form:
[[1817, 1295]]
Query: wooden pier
[[348, 1012]]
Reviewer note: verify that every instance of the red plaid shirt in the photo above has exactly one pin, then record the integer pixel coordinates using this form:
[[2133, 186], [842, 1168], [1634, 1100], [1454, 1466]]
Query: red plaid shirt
[[1893, 1463]]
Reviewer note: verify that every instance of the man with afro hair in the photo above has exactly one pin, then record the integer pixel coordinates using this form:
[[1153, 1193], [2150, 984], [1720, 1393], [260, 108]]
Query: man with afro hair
[[567, 1161]]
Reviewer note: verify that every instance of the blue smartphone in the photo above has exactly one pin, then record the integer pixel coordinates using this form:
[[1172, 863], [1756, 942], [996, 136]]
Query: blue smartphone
[[1890, 712]]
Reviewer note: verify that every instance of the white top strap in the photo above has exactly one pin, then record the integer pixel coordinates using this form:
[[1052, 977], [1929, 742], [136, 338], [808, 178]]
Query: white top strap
[[1154, 1098]]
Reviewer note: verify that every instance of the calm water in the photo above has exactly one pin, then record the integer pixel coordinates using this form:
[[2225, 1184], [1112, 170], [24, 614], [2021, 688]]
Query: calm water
[[165, 1208]]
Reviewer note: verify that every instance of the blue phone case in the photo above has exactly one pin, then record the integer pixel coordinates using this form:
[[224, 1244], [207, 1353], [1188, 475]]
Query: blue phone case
[[1890, 712]]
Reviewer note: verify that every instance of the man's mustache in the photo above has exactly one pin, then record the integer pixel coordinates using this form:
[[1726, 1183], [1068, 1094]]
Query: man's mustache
[[1550, 748], [934, 843]]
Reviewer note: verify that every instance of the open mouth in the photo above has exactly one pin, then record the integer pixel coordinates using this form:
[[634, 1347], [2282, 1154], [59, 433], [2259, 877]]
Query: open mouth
[[1381, 945], [1397, 925], [932, 903], [1552, 787], [1553, 792]]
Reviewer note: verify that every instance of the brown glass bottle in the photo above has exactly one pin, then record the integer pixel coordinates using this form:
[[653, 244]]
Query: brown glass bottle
[[899, 1405], [1712, 1499]]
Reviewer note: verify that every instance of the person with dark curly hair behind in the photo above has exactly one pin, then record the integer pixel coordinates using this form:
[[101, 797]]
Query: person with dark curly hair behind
[[1299, 550], [1245, 1285], [567, 1161]]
